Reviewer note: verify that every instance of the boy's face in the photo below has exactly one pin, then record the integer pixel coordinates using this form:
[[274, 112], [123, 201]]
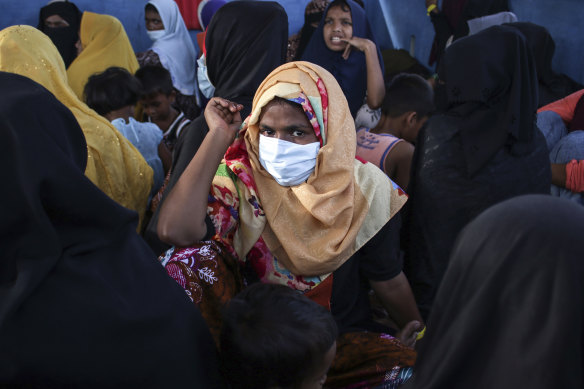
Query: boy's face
[[318, 378], [157, 107]]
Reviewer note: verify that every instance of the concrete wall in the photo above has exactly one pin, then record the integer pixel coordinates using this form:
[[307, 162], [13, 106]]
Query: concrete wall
[[395, 22]]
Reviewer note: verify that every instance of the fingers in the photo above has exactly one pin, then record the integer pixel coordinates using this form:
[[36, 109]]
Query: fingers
[[409, 333], [347, 51], [221, 103]]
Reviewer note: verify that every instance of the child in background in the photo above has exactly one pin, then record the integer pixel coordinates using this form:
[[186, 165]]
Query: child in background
[[157, 100], [273, 336], [409, 99], [113, 94]]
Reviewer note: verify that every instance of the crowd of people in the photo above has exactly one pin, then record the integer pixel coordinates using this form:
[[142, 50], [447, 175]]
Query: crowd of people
[[289, 212]]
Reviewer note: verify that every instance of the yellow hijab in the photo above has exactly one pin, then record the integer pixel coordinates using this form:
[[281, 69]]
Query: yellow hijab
[[313, 228], [105, 44], [113, 163]]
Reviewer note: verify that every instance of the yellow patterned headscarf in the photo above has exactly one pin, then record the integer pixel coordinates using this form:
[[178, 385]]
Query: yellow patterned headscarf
[[113, 163], [312, 228], [105, 44]]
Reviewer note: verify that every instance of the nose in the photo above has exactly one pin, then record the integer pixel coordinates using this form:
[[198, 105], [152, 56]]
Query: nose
[[150, 111]]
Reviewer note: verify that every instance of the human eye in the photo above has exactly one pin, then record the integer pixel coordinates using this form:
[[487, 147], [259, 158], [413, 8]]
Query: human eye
[[297, 132], [347, 22], [328, 21], [266, 131]]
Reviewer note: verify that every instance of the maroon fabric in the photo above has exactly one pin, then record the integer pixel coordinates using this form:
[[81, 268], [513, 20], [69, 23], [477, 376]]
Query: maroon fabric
[[453, 10], [577, 122]]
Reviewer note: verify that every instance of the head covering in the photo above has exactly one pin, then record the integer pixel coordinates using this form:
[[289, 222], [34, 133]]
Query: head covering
[[239, 53], [207, 9], [510, 311], [83, 301], [176, 49], [312, 228], [491, 85], [113, 164], [351, 74], [313, 13], [552, 86], [105, 44], [239, 56], [63, 37]]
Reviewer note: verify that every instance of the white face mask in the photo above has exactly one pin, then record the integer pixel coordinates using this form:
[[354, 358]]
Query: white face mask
[[155, 34], [289, 163], [203, 78]]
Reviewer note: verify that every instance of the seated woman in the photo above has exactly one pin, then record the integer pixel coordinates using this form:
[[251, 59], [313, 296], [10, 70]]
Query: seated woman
[[483, 148], [174, 50], [510, 311], [344, 45], [113, 164], [83, 301], [291, 205], [60, 21], [104, 43]]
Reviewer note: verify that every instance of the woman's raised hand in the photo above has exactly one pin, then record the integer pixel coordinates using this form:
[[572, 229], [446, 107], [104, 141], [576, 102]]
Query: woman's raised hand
[[361, 44], [223, 117]]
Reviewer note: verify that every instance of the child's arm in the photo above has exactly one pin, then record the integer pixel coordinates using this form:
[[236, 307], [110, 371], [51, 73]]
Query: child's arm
[[398, 163], [182, 216], [375, 83]]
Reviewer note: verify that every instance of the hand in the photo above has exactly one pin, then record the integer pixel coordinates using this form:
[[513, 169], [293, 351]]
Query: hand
[[223, 117], [361, 44], [409, 333], [430, 2]]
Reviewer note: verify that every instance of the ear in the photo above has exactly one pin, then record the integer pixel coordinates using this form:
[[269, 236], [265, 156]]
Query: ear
[[411, 119], [172, 96]]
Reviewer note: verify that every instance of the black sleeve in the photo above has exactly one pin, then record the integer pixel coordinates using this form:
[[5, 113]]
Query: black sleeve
[[442, 30], [380, 258]]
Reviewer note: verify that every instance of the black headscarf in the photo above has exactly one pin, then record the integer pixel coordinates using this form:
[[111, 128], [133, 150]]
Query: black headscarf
[[552, 86], [510, 311], [245, 41], [491, 85], [485, 148], [350, 73], [83, 301], [64, 38]]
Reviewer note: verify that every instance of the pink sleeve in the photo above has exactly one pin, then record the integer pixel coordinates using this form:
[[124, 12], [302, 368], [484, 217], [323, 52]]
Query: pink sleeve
[[575, 176], [564, 107]]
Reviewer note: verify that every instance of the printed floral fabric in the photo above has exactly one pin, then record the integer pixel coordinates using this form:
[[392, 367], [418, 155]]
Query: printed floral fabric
[[370, 360], [209, 276]]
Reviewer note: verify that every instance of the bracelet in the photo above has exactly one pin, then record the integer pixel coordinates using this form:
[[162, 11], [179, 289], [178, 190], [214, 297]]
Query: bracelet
[[421, 334], [431, 8]]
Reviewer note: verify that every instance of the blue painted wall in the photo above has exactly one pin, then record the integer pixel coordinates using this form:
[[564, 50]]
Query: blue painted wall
[[395, 22]]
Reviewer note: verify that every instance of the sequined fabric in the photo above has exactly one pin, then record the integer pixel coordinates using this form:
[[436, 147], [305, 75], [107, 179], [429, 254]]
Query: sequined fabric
[[113, 164]]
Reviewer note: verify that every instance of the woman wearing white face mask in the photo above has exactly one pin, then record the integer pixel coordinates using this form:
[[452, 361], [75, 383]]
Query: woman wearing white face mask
[[173, 49], [290, 204]]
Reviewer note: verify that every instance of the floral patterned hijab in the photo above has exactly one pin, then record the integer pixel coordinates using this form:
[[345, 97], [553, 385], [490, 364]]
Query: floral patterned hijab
[[313, 228]]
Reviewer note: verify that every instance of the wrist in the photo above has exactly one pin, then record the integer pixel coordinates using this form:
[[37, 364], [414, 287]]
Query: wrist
[[432, 8]]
